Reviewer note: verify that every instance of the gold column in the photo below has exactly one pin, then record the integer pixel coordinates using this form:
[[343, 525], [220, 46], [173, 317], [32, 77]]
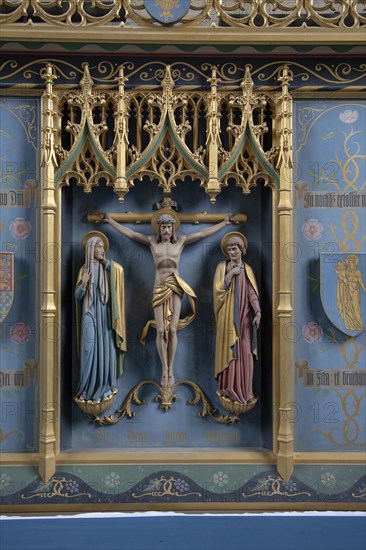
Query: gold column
[[284, 210], [213, 138], [121, 186], [49, 255]]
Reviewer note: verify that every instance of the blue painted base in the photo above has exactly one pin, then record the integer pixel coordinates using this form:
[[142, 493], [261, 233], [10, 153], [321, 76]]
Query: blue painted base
[[185, 532]]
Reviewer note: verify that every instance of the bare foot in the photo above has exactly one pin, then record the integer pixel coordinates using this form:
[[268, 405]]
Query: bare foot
[[164, 380], [170, 381]]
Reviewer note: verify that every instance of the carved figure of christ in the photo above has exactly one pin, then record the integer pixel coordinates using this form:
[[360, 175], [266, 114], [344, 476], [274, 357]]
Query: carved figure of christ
[[166, 248]]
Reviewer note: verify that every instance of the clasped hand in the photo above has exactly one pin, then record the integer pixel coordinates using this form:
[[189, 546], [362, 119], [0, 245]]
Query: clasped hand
[[237, 269], [85, 278]]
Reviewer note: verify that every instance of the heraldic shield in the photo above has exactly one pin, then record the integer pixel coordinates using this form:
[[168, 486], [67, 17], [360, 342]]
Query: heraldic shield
[[343, 291], [167, 11], [6, 284]]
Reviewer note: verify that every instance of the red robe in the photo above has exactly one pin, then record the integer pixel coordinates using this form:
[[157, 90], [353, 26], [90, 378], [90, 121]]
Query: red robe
[[235, 307]]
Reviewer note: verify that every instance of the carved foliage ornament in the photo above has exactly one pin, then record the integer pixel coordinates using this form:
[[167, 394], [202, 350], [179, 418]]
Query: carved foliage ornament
[[344, 14], [166, 135]]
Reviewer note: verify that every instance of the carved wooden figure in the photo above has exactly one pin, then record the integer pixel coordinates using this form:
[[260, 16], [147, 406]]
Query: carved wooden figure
[[166, 248], [238, 314], [101, 324]]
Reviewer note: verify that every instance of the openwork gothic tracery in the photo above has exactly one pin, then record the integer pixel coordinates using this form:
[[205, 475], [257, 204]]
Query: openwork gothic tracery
[[167, 135], [343, 14]]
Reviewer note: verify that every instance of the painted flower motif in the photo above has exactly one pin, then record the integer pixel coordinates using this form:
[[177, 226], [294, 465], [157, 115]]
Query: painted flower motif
[[312, 333], [20, 228], [153, 485], [290, 487], [348, 116], [262, 485], [220, 479], [181, 485], [72, 486], [20, 333], [39, 488], [4, 481], [328, 480], [112, 480], [312, 230]]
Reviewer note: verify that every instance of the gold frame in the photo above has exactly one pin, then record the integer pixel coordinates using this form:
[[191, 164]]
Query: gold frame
[[49, 453]]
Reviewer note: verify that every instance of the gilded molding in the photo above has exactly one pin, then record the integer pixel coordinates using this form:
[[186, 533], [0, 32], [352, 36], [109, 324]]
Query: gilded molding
[[343, 14], [49, 297], [284, 292], [168, 127]]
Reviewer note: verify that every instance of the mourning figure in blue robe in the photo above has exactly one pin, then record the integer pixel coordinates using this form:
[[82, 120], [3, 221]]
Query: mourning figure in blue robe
[[101, 323]]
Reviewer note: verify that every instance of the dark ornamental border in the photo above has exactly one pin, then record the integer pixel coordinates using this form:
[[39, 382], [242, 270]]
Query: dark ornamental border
[[168, 486], [24, 70]]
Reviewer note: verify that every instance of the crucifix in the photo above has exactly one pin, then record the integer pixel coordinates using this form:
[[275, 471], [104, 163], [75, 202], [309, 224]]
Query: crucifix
[[169, 288]]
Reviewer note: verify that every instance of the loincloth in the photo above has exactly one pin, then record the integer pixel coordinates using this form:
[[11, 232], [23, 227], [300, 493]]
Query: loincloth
[[163, 295]]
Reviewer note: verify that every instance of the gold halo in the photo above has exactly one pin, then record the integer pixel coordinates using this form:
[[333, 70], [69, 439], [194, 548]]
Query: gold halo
[[99, 234], [161, 212], [230, 236]]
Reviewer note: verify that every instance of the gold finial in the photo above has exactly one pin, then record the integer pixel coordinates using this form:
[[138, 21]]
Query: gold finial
[[214, 80], [247, 83], [285, 75], [48, 73], [86, 83], [168, 82]]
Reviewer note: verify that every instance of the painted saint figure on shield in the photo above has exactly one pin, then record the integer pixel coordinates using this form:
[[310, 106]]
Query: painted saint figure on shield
[[238, 314], [349, 285], [101, 323]]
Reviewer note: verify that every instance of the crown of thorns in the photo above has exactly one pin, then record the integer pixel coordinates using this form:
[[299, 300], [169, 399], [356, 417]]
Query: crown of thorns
[[165, 218]]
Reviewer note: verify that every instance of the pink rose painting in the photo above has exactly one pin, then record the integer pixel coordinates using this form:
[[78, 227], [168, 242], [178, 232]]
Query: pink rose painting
[[20, 228], [312, 230], [20, 333], [348, 116], [312, 333]]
